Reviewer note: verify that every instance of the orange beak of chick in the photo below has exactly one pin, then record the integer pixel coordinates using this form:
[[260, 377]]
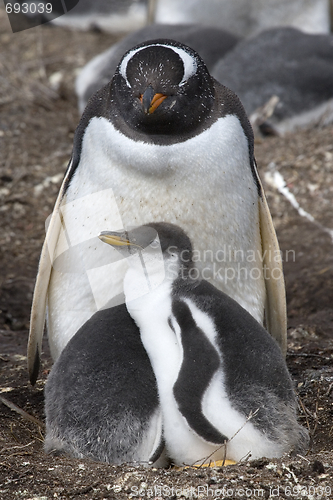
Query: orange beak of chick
[[151, 100]]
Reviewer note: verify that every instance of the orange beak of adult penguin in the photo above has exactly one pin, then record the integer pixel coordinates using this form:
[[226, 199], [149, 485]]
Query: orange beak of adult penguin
[[151, 100]]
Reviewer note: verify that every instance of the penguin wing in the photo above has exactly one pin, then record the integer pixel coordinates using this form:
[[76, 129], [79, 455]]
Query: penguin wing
[[200, 363], [275, 307], [38, 309]]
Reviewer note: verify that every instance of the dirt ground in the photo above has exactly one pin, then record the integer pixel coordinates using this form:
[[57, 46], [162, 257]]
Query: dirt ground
[[38, 116]]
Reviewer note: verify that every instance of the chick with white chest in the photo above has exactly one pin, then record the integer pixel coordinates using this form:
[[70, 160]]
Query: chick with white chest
[[223, 385]]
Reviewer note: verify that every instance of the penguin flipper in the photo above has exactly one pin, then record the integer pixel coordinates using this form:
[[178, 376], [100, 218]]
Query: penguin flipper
[[275, 307], [38, 309]]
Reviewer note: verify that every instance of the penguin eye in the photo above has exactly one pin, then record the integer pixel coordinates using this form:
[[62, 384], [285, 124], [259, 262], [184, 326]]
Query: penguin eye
[[154, 244]]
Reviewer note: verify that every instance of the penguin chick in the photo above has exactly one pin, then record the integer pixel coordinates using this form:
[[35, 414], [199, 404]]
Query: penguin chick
[[223, 384], [101, 398]]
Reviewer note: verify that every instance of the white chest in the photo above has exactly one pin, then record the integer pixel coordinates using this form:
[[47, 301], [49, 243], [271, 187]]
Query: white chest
[[151, 312], [205, 185]]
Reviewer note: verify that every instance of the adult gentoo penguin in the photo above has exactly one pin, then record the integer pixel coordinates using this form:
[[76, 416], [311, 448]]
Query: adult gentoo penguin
[[101, 398], [209, 42], [223, 384], [162, 141]]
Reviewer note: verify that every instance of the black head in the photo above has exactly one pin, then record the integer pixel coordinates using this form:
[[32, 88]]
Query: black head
[[173, 240], [161, 87], [163, 237]]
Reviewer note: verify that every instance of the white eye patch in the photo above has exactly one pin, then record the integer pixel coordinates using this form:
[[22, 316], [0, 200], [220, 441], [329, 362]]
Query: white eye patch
[[189, 62]]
